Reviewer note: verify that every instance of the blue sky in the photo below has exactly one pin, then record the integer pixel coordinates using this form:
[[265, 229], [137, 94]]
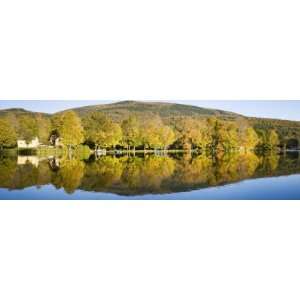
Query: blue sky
[[269, 109]]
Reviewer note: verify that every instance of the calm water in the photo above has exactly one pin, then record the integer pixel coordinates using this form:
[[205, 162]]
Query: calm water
[[238, 176]]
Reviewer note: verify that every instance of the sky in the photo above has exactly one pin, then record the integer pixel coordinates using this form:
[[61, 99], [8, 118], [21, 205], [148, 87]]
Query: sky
[[289, 110]]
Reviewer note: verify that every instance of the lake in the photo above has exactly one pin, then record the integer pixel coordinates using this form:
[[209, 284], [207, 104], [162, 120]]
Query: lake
[[153, 177]]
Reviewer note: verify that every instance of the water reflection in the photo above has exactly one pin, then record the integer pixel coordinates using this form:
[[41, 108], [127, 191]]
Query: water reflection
[[141, 175]]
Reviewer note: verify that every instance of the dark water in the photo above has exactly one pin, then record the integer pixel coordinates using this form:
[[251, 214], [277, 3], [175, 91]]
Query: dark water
[[235, 176]]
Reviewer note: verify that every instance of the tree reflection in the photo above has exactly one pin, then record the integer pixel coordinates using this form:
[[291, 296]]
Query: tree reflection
[[147, 174], [69, 175], [8, 167], [269, 164], [143, 174], [104, 172]]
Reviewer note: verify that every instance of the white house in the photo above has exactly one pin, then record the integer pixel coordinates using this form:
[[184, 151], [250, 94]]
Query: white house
[[33, 144], [23, 160]]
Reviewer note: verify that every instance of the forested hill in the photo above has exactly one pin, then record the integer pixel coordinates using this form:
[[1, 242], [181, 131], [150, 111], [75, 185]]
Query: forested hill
[[27, 123], [19, 112], [121, 110]]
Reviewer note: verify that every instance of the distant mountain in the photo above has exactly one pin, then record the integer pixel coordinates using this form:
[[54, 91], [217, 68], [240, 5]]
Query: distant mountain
[[20, 112], [121, 110]]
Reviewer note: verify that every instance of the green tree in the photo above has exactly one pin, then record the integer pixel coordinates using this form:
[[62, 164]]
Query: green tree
[[7, 134]]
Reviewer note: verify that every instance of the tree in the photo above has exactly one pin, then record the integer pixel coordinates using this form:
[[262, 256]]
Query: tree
[[247, 137], [44, 128], [167, 136], [116, 134], [68, 127], [188, 132], [268, 139], [273, 139], [69, 175], [101, 130], [224, 135], [131, 132], [228, 137], [155, 134], [28, 128], [8, 136], [202, 138], [252, 139], [150, 132]]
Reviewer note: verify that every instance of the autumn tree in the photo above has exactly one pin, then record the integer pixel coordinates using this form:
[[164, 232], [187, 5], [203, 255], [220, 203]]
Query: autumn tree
[[167, 136], [43, 128], [273, 139], [150, 132], [56, 123], [101, 130], [115, 136], [252, 139], [202, 136], [155, 134], [7, 134], [28, 128], [247, 136], [68, 127], [224, 135], [269, 139], [69, 175], [228, 136], [188, 132], [131, 132]]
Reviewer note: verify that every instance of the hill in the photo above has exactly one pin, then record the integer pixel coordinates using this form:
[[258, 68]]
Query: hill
[[18, 112], [121, 110], [118, 111]]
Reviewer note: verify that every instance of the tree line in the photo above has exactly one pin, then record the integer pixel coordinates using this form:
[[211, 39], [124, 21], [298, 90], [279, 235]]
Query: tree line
[[99, 131]]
